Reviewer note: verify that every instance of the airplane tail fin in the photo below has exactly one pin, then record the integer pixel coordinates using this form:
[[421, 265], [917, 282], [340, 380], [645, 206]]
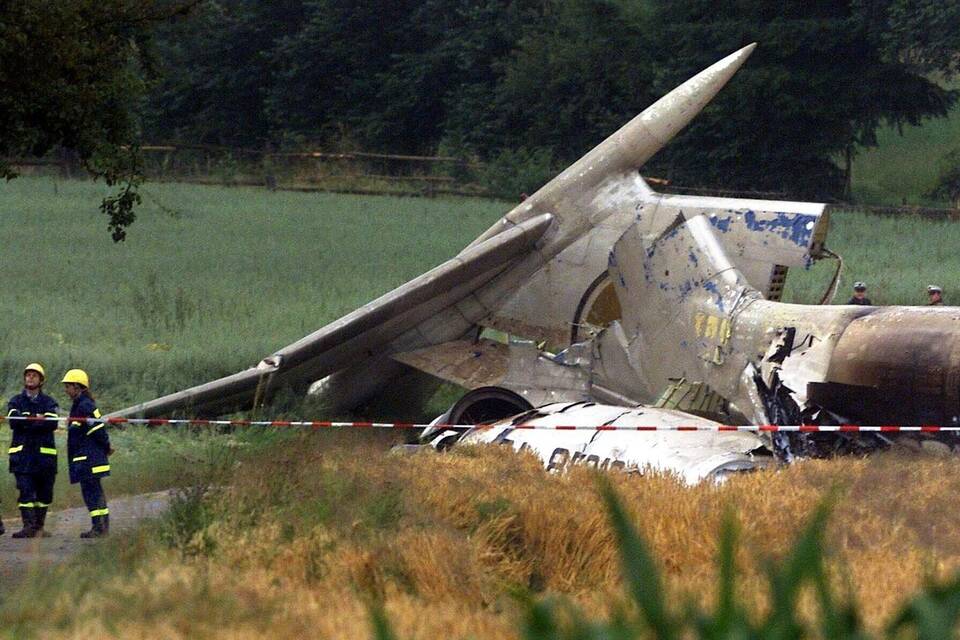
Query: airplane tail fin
[[580, 196]]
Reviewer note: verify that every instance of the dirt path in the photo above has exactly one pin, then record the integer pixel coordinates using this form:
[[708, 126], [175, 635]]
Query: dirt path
[[19, 557]]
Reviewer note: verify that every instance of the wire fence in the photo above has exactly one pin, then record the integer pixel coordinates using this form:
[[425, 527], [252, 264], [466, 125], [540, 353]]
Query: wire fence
[[362, 172]]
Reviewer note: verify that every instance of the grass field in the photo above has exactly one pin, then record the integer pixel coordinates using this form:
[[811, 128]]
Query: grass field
[[145, 460], [896, 256], [902, 168], [206, 285]]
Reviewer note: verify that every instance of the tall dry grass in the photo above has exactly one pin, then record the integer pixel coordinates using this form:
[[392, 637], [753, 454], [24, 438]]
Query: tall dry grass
[[302, 540]]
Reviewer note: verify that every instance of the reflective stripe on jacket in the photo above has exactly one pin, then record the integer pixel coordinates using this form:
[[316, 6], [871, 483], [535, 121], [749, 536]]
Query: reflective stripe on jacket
[[33, 448]]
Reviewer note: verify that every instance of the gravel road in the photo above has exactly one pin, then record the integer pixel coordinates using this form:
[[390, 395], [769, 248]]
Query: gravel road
[[19, 557]]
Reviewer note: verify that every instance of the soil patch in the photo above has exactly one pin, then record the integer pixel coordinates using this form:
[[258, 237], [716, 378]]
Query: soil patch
[[20, 557]]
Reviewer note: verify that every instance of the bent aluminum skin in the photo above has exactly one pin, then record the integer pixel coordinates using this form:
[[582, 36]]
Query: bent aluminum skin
[[620, 293], [701, 456]]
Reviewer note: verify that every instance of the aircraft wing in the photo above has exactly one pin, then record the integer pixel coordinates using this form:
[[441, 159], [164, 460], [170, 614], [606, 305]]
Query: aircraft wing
[[408, 315]]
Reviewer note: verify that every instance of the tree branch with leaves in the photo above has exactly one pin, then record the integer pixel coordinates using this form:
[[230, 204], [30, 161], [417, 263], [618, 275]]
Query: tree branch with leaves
[[75, 75]]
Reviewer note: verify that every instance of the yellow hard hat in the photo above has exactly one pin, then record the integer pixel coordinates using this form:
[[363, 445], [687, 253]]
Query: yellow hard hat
[[76, 376], [36, 366]]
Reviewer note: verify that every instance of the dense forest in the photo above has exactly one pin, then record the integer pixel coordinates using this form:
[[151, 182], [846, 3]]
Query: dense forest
[[548, 79], [529, 85]]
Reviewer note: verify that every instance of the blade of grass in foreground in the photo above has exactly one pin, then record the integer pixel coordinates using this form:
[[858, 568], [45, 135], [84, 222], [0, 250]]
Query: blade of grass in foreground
[[639, 569], [934, 613], [380, 623]]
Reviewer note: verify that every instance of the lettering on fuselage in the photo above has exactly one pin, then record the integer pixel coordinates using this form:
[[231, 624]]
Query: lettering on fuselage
[[712, 327], [561, 458]]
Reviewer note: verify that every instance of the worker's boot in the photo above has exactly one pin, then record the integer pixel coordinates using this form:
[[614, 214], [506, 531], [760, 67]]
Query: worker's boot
[[29, 529], [100, 526], [2, 530], [41, 520]]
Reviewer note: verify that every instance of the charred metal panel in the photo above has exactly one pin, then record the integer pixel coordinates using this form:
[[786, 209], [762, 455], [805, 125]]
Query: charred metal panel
[[860, 404], [906, 351]]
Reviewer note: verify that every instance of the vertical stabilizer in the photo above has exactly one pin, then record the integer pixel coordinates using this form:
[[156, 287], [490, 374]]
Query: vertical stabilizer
[[572, 196]]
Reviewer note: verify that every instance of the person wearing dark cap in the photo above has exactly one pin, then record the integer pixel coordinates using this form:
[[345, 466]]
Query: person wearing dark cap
[[860, 294], [936, 295]]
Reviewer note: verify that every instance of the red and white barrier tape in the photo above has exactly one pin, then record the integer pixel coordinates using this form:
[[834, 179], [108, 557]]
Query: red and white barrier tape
[[323, 424]]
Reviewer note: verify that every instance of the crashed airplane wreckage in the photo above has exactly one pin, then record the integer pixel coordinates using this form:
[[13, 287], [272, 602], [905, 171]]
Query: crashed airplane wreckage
[[655, 309]]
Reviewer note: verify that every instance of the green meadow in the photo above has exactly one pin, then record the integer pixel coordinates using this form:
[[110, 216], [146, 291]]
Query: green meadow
[[209, 281], [906, 163], [147, 460]]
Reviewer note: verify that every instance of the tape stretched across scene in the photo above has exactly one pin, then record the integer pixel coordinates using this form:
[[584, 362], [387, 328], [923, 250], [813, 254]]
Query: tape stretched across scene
[[326, 424]]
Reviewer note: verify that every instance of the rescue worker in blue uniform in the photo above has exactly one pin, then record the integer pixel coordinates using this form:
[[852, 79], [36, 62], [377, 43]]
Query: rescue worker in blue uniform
[[860, 294], [33, 450], [88, 448]]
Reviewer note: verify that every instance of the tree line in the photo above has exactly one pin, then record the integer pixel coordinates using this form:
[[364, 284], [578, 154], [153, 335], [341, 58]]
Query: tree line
[[528, 84], [554, 77]]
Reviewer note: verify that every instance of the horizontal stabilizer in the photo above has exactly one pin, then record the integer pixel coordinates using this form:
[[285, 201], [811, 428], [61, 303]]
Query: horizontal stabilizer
[[467, 363]]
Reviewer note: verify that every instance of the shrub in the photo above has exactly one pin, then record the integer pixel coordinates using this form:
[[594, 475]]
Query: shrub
[[948, 184], [516, 172]]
